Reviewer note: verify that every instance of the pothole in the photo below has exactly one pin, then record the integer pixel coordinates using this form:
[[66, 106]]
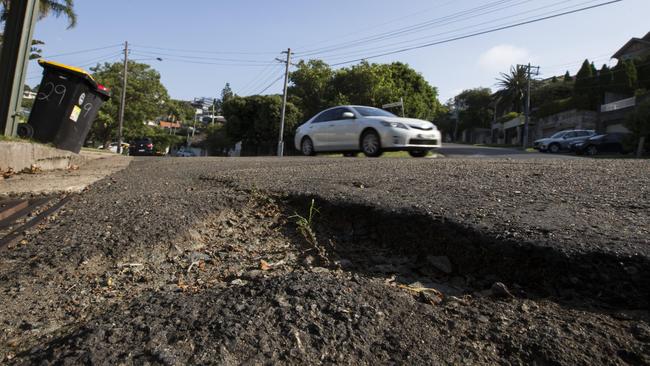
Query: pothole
[[415, 249]]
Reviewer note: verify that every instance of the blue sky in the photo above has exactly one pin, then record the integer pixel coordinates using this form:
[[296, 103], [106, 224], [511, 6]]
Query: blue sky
[[206, 43]]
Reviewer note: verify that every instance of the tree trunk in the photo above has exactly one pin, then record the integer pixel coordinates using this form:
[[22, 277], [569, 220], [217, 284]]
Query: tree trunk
[[639, 149]]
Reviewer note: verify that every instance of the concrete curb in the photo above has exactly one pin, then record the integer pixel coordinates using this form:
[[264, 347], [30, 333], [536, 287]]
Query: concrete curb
[[18, 156]]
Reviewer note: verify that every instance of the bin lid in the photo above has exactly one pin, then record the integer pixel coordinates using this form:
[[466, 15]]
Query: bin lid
[[77, 72]]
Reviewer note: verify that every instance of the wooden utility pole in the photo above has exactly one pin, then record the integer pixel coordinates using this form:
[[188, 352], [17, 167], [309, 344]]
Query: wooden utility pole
[[527, 121], [18, 30], [122, 103], [284, 104]]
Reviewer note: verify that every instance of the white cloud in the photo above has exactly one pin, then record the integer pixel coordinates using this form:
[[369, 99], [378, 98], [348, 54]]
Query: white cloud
[[500, 58]]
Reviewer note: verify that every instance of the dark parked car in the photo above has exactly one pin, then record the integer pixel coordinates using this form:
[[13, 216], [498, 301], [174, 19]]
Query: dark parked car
[[141, 147], [607, 143]]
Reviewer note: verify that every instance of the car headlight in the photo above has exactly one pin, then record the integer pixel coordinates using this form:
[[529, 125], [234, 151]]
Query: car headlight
[[394, 125]]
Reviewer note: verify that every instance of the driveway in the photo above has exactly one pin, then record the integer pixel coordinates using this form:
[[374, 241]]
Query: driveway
[[470, 151]]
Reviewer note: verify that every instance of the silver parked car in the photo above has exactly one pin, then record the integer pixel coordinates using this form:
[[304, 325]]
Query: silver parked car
[[561, 141], [351, 129]]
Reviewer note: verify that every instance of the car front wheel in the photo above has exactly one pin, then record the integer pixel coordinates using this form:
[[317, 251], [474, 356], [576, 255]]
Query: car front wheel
[[370, 144], [307, 147], [418, 153], [554, 148]]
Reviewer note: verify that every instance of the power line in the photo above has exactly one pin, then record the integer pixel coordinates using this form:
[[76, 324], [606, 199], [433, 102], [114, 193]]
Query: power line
[[264, 81], [402, 44], [207, 51], [479, 33], [270, 85], [414, 28], [83, 51], [408, 16], [181, 60], [149, 53], [259, 75]]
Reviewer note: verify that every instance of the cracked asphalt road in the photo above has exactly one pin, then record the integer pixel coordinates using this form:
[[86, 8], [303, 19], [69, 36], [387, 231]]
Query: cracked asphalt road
[[162, 263]]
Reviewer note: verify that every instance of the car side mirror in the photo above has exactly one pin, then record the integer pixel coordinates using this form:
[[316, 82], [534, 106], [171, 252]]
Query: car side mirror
[[348, 115]]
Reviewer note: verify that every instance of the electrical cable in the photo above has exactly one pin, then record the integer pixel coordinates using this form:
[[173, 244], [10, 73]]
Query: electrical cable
[[410, 42], [416, 28], [270, 85], [83, 51], [206, 51], [261, 82], [149, 53], [259, 75], [430, 44]]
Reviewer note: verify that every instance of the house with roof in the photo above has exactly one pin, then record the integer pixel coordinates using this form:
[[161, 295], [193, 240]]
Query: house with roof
[[634, 48]]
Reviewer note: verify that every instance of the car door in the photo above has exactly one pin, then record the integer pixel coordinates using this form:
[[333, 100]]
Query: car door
[[344, 134], [317, 130], [568, 138], [327, 132]]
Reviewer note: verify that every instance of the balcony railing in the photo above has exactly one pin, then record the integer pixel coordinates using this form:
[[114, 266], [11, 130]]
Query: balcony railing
[[619, 104]]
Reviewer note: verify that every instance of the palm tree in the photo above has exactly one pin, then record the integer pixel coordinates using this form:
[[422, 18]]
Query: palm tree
[[513, 87], [57, 8]]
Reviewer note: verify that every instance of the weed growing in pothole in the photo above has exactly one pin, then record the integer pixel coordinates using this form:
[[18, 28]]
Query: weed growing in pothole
[[305, 228]]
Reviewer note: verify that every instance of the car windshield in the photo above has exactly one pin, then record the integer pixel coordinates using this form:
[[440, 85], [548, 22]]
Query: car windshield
[[558, 135], [373, 112]]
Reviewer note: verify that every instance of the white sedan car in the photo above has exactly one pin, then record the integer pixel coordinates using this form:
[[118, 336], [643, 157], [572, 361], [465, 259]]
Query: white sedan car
[[350, 129]]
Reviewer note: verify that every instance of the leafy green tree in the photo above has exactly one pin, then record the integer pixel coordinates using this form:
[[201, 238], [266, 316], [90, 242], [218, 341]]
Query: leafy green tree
[[567, 77], [46, 8], [217, 141], [255, 120], [146, 99], [643, 72], [625, 77], [226, 94], [179, 111], [513, 87], [378, 84], [548, 92], [311, 87], [585, 90], [605, 81], [477, 108]]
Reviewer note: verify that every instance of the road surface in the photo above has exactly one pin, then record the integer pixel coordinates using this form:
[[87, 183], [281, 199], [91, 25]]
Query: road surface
[[403, 261], [451, 150]]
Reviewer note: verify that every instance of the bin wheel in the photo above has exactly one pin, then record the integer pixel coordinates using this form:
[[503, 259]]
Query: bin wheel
[[25, 131]]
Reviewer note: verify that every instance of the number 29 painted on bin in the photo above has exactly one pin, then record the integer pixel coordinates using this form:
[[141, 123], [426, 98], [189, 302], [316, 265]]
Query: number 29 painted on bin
[[51, 88]]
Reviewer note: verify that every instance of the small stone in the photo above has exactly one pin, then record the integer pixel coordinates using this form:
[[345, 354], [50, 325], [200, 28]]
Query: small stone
[[441, 263], [238, 282], [431, 297], [309, 260], [500, 290], [264, 265], [319, 270], [282, 302]]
